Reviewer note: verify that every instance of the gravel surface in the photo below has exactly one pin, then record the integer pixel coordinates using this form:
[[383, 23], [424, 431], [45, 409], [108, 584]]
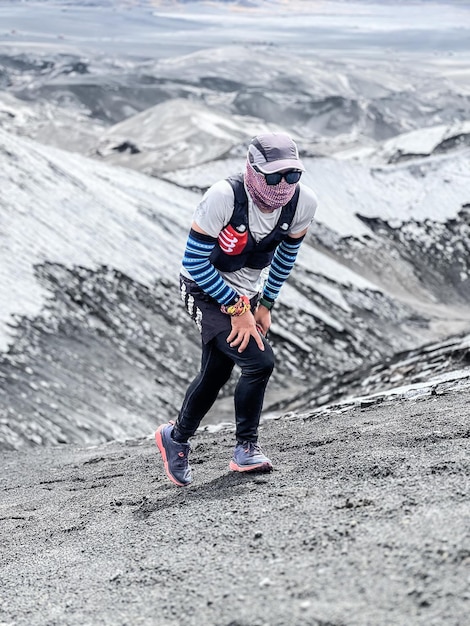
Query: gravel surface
[[364, 521]]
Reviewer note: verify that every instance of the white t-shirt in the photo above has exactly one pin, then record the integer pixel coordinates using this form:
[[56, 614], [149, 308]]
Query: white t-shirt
[[215, 211]]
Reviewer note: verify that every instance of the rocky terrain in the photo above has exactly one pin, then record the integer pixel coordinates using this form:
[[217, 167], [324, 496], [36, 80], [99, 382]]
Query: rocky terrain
[[364, 521]]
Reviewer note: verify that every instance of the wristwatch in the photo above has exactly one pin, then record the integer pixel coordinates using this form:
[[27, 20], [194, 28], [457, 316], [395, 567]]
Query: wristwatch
[[268, 304]]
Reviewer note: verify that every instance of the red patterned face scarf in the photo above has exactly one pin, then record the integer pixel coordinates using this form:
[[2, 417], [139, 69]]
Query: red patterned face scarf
[[267, 197]]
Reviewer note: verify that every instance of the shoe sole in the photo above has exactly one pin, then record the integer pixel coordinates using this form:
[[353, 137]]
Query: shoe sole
[[260, 467], [161, 447]]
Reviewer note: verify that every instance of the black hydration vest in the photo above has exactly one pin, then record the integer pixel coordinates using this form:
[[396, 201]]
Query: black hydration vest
[[236, 247]]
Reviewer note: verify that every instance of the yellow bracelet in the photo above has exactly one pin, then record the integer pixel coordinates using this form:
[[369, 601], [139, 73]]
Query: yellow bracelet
[[242, 305]]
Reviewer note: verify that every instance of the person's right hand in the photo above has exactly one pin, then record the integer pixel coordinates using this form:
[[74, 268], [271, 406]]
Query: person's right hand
[[244, 327]]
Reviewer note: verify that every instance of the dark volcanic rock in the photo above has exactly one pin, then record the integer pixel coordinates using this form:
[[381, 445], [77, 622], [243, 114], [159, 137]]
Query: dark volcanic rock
[[106, 360]]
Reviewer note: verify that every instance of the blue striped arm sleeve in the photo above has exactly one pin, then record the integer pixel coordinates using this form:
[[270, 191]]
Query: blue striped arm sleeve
[[196, 262], [281, 266]]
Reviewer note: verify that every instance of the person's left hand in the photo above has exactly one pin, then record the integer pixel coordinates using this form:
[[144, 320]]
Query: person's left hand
[[263, 319]]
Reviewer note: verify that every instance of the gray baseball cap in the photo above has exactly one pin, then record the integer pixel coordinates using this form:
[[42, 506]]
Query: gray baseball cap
[[273, 152]]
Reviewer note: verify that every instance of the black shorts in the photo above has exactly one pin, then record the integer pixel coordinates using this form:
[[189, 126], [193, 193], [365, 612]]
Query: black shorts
[[204, 310]]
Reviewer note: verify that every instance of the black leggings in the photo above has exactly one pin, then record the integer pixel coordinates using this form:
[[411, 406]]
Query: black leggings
[[217, 362]]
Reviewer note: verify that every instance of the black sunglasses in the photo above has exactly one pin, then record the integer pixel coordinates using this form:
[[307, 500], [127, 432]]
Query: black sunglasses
[[291, 177]]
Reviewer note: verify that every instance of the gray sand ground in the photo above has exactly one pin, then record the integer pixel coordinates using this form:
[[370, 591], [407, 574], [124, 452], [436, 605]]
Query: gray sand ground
[[365, 521]]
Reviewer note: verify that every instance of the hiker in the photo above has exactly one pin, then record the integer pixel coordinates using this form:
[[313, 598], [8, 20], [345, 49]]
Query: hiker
[[242, 245]]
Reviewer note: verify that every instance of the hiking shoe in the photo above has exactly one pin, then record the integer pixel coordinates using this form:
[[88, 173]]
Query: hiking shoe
[[175, 456], [247, 457]]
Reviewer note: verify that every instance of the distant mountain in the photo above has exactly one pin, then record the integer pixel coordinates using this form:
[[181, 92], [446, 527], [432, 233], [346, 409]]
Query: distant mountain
[[177, 131], [329, 106]]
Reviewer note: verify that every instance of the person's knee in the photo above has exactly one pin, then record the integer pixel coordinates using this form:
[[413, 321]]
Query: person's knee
[[263, 364], [252, 361], [269, 360]]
